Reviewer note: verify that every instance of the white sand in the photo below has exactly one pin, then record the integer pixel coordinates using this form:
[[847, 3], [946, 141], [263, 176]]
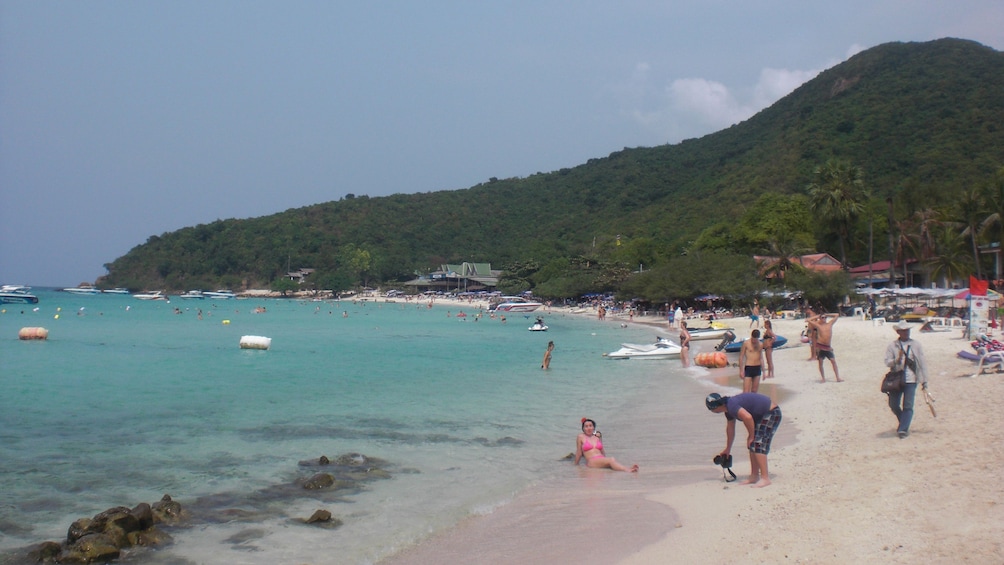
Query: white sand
[[847, 490]]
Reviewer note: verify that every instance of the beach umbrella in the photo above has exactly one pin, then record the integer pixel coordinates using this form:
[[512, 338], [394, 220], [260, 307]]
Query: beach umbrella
[[965, 295]]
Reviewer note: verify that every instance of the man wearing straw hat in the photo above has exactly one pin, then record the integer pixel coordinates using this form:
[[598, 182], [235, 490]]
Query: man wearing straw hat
[[907, 353]]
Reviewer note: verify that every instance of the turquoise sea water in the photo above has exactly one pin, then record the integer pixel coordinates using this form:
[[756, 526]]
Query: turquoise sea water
[[127, 401]]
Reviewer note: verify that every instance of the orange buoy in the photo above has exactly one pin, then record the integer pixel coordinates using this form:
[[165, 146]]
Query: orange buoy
[[721, 360], [714, 360], [33, 333]]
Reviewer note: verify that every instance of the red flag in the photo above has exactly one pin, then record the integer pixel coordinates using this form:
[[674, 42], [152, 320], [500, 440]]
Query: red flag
[[977, 287]]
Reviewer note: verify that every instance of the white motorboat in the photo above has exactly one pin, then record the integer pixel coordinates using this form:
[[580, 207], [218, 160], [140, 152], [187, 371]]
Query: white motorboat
[[221, 294], [83, 290], [515, 304], [17, 294], [155, 295], [708, 333], [661, 349], [118, 290], [538, 326], [193, 295]]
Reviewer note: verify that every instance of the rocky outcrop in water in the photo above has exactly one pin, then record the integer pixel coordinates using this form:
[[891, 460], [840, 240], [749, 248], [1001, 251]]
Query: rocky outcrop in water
[[119, 531], [104, 536]]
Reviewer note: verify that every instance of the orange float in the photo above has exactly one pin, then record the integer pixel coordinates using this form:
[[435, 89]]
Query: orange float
[[33, 333], [713, 360]]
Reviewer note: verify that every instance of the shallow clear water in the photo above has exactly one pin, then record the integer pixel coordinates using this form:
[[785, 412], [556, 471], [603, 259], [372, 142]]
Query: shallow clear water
[[127, 401]]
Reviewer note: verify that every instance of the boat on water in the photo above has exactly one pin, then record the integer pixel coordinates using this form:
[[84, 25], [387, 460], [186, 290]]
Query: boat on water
[[83, 290], [662, 349], [538, 326], [735, 346], [515, 304], [193, 295], [711, 332], [154, 295], [117, 290], [17, 294], [221, 294]]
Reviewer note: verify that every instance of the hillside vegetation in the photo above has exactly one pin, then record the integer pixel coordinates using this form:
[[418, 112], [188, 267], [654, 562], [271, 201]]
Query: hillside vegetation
[[921, 122]]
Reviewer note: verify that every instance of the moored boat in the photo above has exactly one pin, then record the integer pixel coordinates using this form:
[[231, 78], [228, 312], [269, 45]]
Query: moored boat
[[193, 295], [117, 290], [708, 333], [735, 346], [84, 290], [154, 295], [662, 349], [515, 304], [17, 294], [221, 294]]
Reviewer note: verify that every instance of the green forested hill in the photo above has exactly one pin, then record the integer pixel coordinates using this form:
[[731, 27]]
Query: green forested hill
[[923, 121]]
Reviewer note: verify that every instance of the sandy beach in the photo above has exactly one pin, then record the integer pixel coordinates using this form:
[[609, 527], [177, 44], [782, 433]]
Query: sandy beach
[[845, 488]]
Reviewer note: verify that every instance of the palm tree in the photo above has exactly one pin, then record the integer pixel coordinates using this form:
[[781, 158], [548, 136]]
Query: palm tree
[[917, 235], [837, 193], [993, 195], [950, 262], [969, 212], [786, 250]]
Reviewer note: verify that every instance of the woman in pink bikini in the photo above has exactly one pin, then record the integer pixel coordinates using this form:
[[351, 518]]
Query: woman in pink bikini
[[590, 446]]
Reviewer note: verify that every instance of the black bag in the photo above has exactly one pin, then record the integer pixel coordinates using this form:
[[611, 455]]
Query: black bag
[[894, 381]]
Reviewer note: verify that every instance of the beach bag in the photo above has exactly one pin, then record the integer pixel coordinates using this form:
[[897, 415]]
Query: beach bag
[[895, 380]]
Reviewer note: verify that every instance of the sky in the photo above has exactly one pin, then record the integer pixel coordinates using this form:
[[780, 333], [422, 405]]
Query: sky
[[122, 120]]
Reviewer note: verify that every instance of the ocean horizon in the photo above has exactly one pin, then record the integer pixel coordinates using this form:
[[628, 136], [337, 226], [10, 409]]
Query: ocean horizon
[[129, 400]]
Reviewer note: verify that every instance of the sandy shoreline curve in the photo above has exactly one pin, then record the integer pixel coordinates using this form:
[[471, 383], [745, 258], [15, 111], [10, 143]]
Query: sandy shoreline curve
[[848, 490]]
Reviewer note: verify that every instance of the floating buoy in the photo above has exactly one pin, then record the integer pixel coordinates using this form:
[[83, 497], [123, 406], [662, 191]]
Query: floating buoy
[[255, 342], [226, 322], [33, 333], [712, 360]]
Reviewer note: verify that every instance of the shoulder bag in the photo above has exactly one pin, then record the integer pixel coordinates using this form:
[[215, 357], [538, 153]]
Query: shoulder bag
[[895, 379]]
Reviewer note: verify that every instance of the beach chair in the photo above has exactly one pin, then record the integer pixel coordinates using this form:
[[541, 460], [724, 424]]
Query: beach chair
[[991, 360]]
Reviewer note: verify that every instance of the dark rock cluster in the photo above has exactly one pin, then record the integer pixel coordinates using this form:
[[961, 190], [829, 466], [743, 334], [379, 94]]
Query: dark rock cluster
[[106, 535], [120, 530]]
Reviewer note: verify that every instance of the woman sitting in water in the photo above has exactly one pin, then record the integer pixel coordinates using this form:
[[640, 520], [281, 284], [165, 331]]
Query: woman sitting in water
[[590, 446]]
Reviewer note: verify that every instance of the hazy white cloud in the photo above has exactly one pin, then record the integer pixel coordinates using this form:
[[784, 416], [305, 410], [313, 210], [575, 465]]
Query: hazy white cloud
[[690, 107], [775, 84]]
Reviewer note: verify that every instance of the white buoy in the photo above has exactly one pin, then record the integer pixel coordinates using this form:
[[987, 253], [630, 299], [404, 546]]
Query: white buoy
[[255, 342]]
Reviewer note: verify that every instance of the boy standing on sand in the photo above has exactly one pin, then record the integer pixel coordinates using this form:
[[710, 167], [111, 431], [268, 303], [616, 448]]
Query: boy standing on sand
[[824, 334]]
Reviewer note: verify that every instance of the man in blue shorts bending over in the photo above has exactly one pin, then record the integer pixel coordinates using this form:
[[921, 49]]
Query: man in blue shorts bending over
[[760, 416]]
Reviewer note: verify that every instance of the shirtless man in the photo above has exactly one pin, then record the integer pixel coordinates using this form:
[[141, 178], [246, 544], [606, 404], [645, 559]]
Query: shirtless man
[[751, 362], [822, 325]]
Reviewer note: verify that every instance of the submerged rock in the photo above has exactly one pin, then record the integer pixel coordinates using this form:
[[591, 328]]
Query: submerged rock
[[103, 536]]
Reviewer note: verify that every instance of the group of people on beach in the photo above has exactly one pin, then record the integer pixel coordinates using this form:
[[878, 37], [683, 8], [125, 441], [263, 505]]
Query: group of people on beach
[[760, 415]]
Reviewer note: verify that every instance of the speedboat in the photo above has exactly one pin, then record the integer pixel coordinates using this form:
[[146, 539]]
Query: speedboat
[[17, 294], [735, 346], [193, 295], [83, 290], [538, 326], [515, 304], [117, 290], [155, 295], [221, 294], [661, 349]]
